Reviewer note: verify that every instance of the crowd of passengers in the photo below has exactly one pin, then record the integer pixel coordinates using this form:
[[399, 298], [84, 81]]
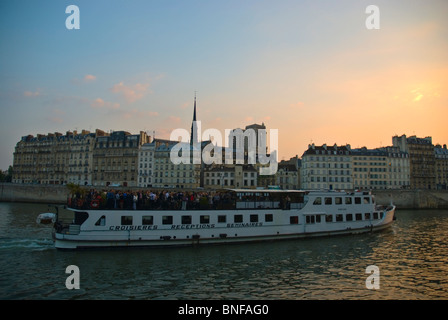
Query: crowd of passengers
[[161, 200], [150, 200]]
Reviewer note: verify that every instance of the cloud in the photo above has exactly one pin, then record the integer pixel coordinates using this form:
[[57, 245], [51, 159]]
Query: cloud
[[297, 105], [185, 105], [100, 103], [89, 78], [138, 114], [174, 119], [131, 93], [31, 94], [418, 98], [56, 116]]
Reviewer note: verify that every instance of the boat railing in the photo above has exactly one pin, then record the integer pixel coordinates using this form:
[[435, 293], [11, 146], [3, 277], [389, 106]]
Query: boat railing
[[222, 204]]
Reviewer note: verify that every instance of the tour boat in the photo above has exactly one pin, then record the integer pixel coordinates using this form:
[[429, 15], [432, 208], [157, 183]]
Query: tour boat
[[239, 215]]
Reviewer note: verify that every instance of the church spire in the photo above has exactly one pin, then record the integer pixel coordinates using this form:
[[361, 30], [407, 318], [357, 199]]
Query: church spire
[[194, 126]]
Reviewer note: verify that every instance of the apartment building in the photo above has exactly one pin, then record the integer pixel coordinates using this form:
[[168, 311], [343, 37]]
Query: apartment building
[[115, 159], [327, 167], [421, 159]]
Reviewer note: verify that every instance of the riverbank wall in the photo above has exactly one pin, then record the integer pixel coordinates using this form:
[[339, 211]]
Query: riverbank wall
[[57, 194]]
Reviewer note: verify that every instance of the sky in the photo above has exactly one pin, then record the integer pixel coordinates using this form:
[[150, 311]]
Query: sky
[[310, 69]]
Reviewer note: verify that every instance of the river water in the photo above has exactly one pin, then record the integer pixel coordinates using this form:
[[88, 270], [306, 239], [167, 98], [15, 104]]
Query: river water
[[411, 257]]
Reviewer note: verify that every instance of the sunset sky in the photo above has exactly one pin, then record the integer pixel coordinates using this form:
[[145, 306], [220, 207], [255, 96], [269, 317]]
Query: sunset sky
[[310, 69]]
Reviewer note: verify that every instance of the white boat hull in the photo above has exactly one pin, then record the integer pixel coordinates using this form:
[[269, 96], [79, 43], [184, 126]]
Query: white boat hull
[[135, 236]]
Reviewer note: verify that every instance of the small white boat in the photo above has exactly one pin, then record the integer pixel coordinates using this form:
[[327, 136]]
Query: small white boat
[[46, 218]]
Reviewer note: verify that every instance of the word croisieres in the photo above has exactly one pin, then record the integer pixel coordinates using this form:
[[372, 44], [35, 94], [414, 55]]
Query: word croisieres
[[242, 142]]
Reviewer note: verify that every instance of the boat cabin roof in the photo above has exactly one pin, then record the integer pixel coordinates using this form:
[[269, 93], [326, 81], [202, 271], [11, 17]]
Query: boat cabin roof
[[263, 191]]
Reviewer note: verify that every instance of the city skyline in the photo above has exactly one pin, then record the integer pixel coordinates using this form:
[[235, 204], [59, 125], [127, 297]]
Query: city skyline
[[312, 70]]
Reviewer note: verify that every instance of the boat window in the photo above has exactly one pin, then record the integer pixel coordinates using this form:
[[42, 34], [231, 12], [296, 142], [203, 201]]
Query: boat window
[[268, 217], [358, 216], [317, 201], [348, 200], [338, 200], [349, 217], [328, 200], [186, 219], [126, 220], [339, 218], [238, 218], [310, 219], [381, 215], [366, 200], [367, 216], [167, 219], [147, 220], [101, 221], [294, 220], [254, 218], [222, 219], [80, 217], [357, 200], [329, 218], [318, 218], [375, 215], [204, 219]]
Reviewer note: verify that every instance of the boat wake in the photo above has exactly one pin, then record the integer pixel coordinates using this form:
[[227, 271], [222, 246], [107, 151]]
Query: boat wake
[[31, 244]]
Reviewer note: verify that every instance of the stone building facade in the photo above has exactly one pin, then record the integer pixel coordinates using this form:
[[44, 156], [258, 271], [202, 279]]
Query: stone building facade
[[421, 159]]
